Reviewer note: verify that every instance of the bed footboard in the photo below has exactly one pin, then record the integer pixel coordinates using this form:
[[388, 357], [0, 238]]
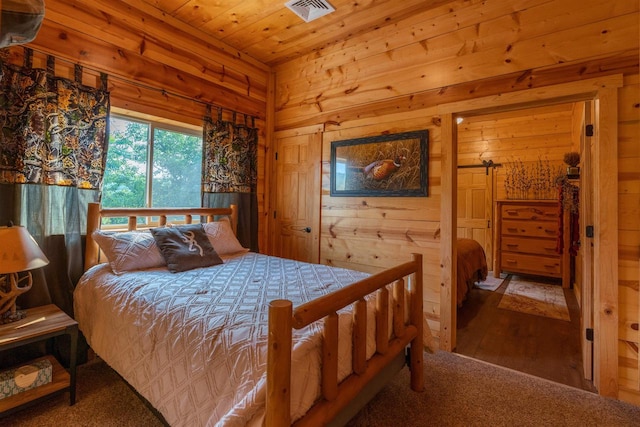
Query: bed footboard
[[336, 396]]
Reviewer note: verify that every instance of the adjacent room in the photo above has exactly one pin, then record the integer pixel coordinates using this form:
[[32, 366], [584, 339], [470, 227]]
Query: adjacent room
[[319, 212], [519, 199]]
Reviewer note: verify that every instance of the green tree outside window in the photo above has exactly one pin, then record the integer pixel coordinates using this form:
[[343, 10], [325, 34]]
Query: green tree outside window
[[149, 165]]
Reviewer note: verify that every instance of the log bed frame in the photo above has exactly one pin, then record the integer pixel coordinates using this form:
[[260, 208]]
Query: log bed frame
[[338, 401]]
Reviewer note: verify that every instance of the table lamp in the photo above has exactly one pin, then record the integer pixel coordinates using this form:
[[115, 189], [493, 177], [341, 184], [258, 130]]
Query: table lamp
[[19, 253]]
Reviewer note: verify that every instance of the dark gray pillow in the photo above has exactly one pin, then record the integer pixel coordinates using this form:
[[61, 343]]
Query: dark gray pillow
[[185, 247]]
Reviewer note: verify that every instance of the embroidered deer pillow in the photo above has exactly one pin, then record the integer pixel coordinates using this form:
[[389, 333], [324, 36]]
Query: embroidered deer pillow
[[185, 247]]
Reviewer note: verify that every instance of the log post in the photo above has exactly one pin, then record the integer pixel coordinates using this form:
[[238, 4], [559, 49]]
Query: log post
[[278, 412], [359, 360], [330, 358], [132, 223], [382, 321], [417, 345], [234, 218], [398, 312], [92, 252]]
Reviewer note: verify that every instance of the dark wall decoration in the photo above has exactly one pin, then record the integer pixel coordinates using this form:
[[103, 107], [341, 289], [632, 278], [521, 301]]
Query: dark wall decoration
[[384, 165]]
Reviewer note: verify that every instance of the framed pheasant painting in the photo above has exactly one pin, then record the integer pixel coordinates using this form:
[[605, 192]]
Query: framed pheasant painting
[[381, 165]]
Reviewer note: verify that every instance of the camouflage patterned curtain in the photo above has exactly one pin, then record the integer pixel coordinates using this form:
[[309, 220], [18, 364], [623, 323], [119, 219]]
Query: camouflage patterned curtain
[[52, 156], [53, 130], [229, 173]]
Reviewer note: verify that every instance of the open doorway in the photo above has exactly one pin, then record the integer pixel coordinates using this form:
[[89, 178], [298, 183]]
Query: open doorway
[[604, 171], [532, 142]]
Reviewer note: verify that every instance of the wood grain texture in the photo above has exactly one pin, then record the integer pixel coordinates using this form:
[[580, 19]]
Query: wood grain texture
[[369, 79], [269, 32], [527, 237], [330, 357], [629, 238], [39, 321], [278, 412], [373, 68], [160, 73], [449, 221], [365, 369], [606, 242]]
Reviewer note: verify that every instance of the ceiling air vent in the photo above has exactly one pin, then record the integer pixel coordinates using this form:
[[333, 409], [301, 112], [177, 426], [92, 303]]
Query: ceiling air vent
[[309, 10]]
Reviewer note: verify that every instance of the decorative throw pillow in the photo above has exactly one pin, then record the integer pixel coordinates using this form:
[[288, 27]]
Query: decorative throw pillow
[[222, 238], [185, 247], [128, 251]]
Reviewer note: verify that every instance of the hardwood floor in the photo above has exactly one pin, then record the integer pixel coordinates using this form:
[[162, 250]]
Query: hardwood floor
[[537, 345]]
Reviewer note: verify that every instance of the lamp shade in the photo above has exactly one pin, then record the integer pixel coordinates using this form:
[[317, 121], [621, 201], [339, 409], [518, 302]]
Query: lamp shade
[[19, 251]]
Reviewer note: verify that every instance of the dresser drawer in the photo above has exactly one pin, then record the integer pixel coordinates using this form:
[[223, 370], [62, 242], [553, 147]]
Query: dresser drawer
[[540, 212], [529, 245], [547, 229], [531, 264]]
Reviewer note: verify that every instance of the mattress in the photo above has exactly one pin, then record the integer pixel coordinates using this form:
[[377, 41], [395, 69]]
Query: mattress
[[194, 344]]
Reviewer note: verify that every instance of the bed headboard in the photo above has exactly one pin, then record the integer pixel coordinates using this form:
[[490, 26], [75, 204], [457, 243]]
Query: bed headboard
[[95, 213]]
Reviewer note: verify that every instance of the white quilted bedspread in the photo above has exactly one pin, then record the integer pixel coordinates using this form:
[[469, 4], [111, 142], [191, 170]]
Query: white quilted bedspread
[[194, 343]]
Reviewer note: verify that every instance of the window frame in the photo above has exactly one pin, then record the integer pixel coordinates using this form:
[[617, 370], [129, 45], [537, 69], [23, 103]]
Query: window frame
[[153, 124]]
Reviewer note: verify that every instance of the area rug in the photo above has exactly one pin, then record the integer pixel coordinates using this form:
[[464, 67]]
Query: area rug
[[540, 299], [491, 283]]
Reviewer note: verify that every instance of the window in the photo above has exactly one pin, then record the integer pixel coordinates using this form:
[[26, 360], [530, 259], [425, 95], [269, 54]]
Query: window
[[151, 164]]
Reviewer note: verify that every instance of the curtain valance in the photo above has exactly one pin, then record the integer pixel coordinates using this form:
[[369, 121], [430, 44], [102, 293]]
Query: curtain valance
[[53, 129]]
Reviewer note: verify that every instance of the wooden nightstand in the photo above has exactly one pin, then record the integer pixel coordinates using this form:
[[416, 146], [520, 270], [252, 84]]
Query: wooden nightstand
[[41, 323]]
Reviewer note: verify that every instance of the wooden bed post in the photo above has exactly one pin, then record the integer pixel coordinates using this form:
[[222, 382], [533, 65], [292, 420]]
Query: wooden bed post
[[417, 345], [234, 218], [278, 412], [92, 251]]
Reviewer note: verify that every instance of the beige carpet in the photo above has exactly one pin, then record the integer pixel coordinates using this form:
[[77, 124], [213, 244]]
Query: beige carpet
[[459, 392], [463, 392], [540, 299]]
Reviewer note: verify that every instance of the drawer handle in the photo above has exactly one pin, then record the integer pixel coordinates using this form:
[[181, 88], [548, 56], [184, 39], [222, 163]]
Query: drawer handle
[[512, 212], [511, 261], [550, 249], [512, 245], [512, 229], [550, 266], [550, 231]]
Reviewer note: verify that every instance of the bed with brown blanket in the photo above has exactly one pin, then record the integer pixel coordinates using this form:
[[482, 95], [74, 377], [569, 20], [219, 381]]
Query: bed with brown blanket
[[472, 267]]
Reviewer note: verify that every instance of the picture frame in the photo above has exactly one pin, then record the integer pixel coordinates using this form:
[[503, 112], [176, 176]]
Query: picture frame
[[389, 165]]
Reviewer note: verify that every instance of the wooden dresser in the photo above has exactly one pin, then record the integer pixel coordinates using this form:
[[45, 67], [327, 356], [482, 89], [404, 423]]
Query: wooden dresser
[[526, 239]]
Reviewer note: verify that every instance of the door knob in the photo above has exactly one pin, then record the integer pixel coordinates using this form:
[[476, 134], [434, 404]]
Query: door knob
[[307, 229]]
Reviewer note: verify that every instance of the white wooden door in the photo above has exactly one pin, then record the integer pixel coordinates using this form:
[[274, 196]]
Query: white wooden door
[[475, 212]]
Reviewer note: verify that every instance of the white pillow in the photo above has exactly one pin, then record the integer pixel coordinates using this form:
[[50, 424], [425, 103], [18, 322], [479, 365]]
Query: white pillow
[[222, 238], [130, 250]]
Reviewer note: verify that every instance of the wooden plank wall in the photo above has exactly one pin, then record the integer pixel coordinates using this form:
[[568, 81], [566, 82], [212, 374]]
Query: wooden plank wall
[[529, 136], [154, 68], [372, 233], [629, 238], [391, 79]]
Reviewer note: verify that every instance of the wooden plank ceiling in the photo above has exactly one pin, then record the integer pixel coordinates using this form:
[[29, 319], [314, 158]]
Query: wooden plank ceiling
[[269, 32]]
